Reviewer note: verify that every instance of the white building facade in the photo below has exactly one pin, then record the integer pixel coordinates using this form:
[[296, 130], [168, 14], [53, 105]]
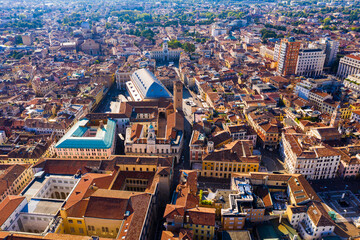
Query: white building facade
[[310, 62], [305, 156], [352, 82], [349, 65], [165, 54]]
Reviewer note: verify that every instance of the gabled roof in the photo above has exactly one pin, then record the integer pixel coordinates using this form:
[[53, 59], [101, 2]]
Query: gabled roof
[[8, 206], [88, 184], [201, 216], [109, 204], [172, 210]]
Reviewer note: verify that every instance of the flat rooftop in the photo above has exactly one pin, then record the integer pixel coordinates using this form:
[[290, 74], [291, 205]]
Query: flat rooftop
[[43, 206], [33, 188]]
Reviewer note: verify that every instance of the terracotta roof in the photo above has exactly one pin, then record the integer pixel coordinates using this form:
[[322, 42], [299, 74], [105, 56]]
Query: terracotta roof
[[319, 215], [140, 204], [353, 57], [357, 112], [221, 137], [8, 206], [301, 190], [68, 166], [264, 194], [319, 93], [141, 160], [237, 151], [297, 209], [87, 185], [136, 131], [109, 204], [201, 216], [173, 210], [10, 174]]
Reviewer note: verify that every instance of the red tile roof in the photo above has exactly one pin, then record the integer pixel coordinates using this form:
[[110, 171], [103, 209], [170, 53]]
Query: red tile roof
[[8, 206]]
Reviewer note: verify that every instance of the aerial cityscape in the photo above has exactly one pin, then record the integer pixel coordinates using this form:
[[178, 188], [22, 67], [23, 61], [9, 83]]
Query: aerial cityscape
[[180, 120]]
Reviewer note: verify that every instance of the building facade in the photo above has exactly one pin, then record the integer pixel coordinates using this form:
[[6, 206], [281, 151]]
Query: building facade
[[165, 54], [349, 65], [288, 56], [306, 155], [88, 139], [310, 62], [331, 48]]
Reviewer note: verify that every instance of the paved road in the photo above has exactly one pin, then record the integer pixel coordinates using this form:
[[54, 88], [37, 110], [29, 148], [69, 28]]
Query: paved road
[[272, 161], [336, 184], [111, 95]]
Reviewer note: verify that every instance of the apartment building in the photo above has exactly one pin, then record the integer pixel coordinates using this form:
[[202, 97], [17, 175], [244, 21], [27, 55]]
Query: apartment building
[[352, 82], [303, 88], [307, 155], [234, 157], [288, 56], [244, 206], [184, 211], [311, 222], [310, 62], [266, 126], [13, 178], [317, 98], [349, 164], [331, 48], [198, 146], [242, 132], [292, 196]]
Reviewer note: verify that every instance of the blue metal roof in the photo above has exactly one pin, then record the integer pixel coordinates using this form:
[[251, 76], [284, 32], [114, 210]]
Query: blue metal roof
[[73, 138], [149, 85], [80, 131]]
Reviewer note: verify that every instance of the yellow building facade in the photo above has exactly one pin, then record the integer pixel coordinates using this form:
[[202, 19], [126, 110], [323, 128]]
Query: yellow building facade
[[201, 231], [225, 169]]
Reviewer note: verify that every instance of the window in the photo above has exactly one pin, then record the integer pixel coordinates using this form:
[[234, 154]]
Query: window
[[70, 221], [72, 230], [81, 230], [79, 222]]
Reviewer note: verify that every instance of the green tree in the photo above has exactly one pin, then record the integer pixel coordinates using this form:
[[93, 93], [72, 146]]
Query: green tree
[[188, 47], [327, 21], [148, 33], [18, 40], [174, 44]]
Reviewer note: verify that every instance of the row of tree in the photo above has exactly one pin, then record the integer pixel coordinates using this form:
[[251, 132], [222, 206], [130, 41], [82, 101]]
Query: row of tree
[[188, 47]]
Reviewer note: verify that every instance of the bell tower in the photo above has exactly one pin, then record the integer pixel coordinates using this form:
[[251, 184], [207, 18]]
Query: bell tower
[[165, 50], [335, 117], [178, 96], [151, 140]]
